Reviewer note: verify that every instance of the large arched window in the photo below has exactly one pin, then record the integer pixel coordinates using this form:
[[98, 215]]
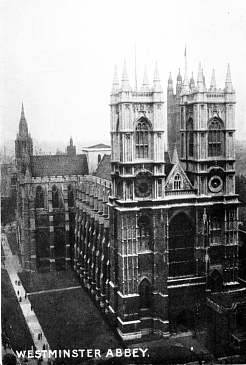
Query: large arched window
[[39, 200], [145, 295], [215, 138], [70, 196], [55, 197], [142, 138], [181, 246], [190, 138]]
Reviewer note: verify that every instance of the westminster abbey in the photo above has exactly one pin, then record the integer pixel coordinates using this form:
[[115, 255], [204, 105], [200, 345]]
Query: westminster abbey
[[151, 234]]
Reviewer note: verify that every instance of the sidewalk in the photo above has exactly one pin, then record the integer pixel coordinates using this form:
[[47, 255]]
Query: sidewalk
[[11, 265]]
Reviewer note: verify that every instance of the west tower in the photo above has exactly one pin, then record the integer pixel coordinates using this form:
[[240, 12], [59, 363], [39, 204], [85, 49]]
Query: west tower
[[138, 276]]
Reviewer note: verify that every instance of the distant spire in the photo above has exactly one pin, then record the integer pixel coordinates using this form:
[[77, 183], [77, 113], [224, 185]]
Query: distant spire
[[145, 84], [228, 82], [175, 157], [156, 80], [213, 81], [23, 128], [22, 111], [71, 141], [116, 84], [200, 78], [125, 86]]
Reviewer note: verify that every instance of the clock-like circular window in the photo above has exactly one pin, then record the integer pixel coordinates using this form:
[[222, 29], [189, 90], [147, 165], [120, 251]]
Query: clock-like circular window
[[215, 184], [143, 185]]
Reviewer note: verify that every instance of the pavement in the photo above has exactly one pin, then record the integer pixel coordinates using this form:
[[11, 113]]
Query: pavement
[[12, 266]]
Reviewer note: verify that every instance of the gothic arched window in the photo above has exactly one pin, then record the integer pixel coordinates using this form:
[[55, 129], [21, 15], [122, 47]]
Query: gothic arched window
[[39, 200], [145, 294], [55, 197], [181, 246], [142, 138], [70, 196], [177, 182], [190, 137], [215, 138]]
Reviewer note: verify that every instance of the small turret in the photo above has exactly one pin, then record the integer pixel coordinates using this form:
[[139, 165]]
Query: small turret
[[228, 82], [125, 86], [71, 149]]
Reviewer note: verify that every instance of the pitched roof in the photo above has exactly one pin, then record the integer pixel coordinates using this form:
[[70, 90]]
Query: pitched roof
[[99, 145], [104, 168], [58, 165]]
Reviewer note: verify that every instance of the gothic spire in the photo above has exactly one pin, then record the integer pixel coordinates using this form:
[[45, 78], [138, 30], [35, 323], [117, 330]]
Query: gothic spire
[[23, 128], [228, 82], [125, 86], [213, 81], [115, 86]]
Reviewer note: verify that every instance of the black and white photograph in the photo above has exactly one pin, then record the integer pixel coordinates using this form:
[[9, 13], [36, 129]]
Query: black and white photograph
[[123, 182]]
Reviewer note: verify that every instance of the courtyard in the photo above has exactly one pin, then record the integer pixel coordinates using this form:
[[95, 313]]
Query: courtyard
[[68, 317]]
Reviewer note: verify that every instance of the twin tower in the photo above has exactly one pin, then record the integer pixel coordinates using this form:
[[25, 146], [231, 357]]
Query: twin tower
[[173, 221]]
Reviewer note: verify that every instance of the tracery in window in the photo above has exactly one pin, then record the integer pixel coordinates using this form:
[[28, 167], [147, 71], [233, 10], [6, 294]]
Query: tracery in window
[[177, 182], [142, 139], [215, 138]]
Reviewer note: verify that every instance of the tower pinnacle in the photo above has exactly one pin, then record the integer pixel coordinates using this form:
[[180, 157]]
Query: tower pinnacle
[[228, 82], [145, 84], [200, 78], [213, 81], [156, 80], [125, 86], [115, 85]]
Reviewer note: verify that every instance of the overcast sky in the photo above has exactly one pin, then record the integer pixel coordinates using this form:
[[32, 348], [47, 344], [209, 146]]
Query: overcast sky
[[58, 56]]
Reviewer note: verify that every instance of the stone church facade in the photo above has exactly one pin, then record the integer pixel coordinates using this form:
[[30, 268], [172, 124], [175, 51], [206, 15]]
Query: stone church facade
[[153, 238], [46, 193]]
